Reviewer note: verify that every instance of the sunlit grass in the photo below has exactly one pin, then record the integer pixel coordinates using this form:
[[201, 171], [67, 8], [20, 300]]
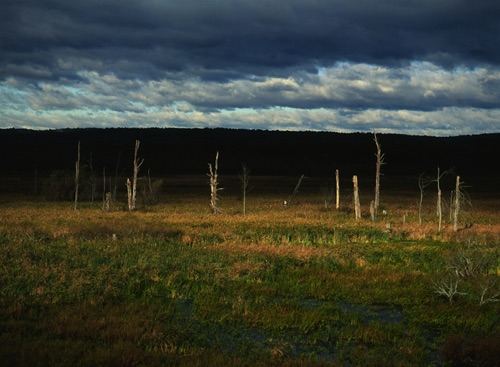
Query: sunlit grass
[[174, 284]]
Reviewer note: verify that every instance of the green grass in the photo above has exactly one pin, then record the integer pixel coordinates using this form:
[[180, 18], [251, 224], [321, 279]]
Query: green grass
[[297, 286]]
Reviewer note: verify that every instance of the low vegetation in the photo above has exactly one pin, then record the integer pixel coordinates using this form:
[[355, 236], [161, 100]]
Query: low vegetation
[[297, 285]]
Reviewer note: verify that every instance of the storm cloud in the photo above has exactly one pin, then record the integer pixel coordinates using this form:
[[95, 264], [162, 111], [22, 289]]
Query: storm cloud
[[417, 67]]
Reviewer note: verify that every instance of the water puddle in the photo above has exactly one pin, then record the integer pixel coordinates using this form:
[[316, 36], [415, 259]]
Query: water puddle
[[234, 338]]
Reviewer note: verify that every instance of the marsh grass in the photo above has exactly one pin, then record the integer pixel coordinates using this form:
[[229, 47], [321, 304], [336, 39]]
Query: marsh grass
[[176, 285]]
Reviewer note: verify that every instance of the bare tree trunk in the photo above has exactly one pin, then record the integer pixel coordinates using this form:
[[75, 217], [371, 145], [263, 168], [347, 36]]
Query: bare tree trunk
[[137, 166], [244, 186], [457, 205], [214, 183], [295, 190], [357, 206], [129, 193], [380, 161], [337, 189], [77, 176]]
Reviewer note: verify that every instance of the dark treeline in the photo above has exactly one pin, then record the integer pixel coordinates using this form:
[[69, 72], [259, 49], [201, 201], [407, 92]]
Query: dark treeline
[[187, 151]]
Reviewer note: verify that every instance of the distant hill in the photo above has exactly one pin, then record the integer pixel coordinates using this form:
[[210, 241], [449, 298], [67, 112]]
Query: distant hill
[[187, 151]]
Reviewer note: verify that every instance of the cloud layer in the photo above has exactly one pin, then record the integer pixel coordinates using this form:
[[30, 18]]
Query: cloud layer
[[415, 67]]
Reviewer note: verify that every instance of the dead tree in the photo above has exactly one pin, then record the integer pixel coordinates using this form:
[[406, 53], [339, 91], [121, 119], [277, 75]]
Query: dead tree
[[424, 182], [132, 193], [214, 183], [380, 162], [77, 176], [457, 204], [129, 193], [337, 189], [439, 204], [295, 191], [357, 205]]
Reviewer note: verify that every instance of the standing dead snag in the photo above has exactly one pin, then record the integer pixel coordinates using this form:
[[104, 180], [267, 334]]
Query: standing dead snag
[[214, 183], [380, 162], [457, 204], [132, 191], [357, 205], [295, 191], [439, 204], [337, 189], [129, 194]]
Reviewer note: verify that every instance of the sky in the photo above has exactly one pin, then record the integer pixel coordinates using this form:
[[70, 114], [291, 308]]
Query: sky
[[419, 67]]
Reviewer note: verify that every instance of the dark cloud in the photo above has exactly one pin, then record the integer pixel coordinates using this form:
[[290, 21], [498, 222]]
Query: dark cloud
[[268, 63], [257, 37]]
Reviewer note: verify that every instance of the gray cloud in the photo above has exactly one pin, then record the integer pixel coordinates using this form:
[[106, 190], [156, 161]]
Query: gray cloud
[[296, 64]]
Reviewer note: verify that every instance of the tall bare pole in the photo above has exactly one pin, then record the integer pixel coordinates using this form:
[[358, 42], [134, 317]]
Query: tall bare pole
[[137, 165], [337, 191], [357, 205], [244, 177], [214, 183], [380, 161], [77, 176], [439, 204], [295, 190], [129, 194], [457, 204]]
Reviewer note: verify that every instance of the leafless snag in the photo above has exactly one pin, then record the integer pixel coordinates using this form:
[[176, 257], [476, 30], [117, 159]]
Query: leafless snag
[[357, 205], [337, 189], [214, 183], [439, 204], [380, 162], [132, 192], [295, 191], [448, 288], [457, 204]]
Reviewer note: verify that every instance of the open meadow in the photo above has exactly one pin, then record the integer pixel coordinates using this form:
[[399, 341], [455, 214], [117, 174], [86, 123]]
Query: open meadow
[[303, 284]]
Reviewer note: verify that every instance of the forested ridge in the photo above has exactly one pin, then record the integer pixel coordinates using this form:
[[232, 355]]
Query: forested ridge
[[186, 151]]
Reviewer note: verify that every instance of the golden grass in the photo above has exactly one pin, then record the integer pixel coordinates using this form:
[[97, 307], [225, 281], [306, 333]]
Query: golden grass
[[228, 269]]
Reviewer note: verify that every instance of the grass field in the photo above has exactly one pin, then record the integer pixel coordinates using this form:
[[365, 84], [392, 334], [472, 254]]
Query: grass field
[[298, 285]]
